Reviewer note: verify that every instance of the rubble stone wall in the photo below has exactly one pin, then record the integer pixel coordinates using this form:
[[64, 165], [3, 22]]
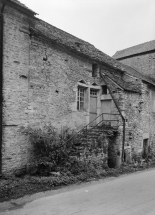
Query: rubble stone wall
[[140, 119], [40, 87], [15, 88]]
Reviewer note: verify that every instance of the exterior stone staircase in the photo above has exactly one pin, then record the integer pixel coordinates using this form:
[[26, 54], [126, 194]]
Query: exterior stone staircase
[[94, 139], [97, 142], [94, 134]]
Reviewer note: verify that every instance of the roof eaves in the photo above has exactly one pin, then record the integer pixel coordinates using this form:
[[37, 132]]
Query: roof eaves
[[121, 57], [139, 49], [19, 6], [134, 72], [87, 50], [56, 36], [105, 75], [127, 86]]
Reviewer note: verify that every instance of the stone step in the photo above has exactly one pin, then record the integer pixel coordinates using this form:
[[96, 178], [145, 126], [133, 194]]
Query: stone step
[[91, 135]]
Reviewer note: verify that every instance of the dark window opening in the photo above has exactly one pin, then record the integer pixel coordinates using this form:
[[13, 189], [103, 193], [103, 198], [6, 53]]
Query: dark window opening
[[95, 70], [104, 89]]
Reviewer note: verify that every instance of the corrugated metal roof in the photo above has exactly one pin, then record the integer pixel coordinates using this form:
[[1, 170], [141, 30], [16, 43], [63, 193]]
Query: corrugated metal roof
[[144, 47]]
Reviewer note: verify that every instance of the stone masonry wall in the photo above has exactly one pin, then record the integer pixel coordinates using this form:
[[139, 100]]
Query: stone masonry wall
[[54, 74], [145, 63], [140, 120], [15, 91], [137, 108], [40, 87]]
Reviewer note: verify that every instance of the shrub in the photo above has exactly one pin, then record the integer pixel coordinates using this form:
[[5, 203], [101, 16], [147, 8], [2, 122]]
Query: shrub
[[54, 151]]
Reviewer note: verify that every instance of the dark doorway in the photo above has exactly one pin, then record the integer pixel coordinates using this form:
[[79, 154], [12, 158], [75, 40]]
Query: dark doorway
[[112, 154], [145, 148]]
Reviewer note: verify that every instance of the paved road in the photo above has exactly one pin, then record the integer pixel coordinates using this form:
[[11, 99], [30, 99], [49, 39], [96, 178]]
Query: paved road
[[127, 195]]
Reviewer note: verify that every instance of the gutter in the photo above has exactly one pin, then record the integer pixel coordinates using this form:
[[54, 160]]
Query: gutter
[[1, 80], [123, 119]]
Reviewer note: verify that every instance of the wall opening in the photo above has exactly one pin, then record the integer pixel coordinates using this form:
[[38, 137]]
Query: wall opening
[[127, 154], [104, 90], [95, 70], [145, 148], [112, 152]]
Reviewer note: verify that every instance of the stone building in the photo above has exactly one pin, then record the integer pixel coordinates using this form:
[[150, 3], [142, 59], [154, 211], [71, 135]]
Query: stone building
[[51, 77], [141, 57]]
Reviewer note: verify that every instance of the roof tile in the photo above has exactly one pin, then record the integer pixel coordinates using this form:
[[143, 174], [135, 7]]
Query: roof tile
[[144, 47], [22, 5], [82, 47]]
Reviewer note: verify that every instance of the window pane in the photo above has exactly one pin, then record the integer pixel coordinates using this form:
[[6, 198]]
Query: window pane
[[81, 105], [80, 99], [93, 92]]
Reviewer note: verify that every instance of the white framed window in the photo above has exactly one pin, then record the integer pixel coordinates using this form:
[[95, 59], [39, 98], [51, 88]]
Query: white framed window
[[81, 99]]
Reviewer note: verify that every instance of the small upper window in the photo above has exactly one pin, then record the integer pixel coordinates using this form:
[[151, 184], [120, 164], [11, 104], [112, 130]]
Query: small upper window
[[95, 70], [80, 100], [104, 89], [93, 92]]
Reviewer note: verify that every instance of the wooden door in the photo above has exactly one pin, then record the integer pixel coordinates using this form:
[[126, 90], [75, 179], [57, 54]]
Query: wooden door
[[93, 107], [106, 108]]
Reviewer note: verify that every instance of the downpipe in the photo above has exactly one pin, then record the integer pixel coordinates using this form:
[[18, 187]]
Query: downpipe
[[1, 81], [123, 119]]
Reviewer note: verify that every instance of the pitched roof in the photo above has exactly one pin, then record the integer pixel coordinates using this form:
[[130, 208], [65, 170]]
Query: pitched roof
[[134, 72], [133, 86], [62, 38], [138, 49], [19, 5]]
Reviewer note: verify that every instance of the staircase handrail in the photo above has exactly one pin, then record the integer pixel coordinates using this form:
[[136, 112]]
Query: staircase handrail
[[91, 123]]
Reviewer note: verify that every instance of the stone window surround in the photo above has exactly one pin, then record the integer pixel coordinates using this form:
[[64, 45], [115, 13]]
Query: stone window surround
[[100, 97], [87, 95]]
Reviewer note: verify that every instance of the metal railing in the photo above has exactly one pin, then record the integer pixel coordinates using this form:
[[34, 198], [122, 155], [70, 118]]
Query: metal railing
[[100, 121]]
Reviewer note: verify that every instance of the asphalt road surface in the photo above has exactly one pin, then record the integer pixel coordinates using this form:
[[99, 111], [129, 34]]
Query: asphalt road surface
[[132, 194]]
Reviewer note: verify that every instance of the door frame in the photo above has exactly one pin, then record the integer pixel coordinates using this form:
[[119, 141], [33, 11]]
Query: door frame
[[98, 102]]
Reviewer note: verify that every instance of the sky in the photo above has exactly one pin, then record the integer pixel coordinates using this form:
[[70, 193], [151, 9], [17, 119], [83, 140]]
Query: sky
[[110, 25]]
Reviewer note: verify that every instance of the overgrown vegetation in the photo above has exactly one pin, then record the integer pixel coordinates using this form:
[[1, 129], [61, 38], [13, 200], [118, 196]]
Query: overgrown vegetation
[[58, 163], [14, 187], [52, 152]]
